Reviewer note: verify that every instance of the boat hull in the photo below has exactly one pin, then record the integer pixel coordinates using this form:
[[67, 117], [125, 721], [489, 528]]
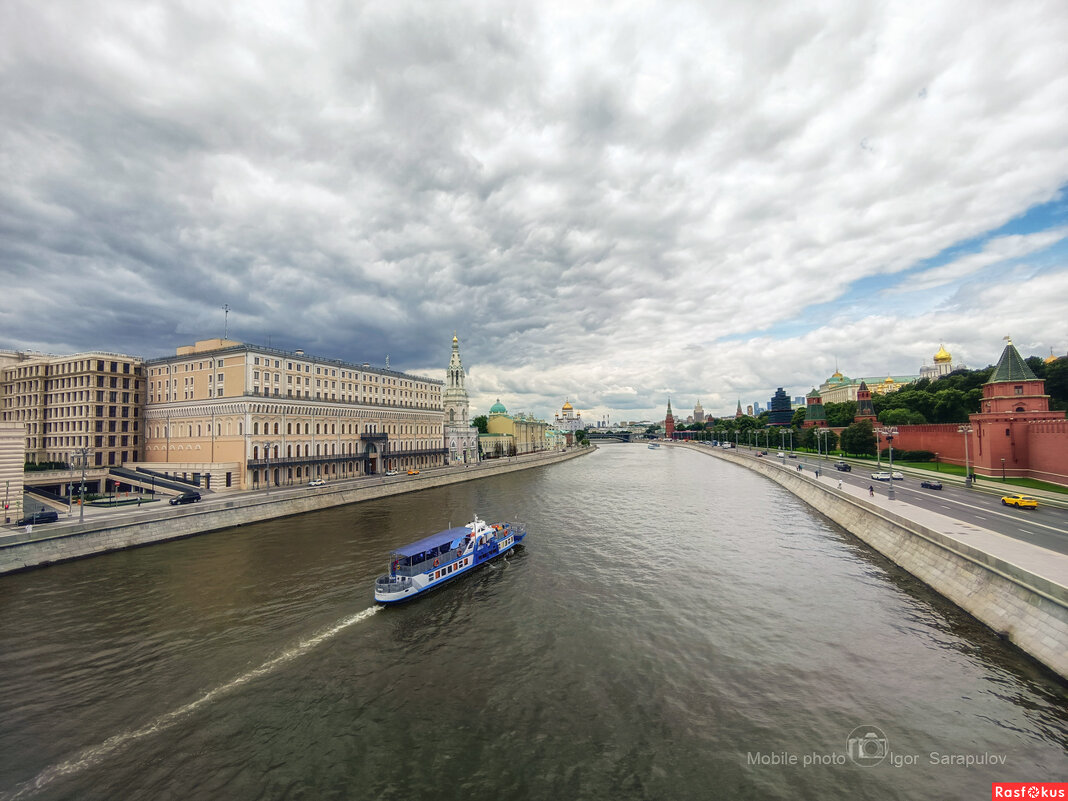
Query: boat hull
[[395, 589]]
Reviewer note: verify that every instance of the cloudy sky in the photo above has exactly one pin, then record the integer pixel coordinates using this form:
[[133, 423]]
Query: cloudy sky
[[608, 202]]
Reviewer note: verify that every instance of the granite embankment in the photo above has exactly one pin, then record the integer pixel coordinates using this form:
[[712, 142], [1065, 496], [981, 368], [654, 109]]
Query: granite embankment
[[48, 544], [1015, 588]]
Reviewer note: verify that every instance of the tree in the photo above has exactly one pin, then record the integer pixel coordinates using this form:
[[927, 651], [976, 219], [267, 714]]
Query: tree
[[581, 437], [859, 439], [840, 414], [1057, 383], [799, 417], [481, 423]]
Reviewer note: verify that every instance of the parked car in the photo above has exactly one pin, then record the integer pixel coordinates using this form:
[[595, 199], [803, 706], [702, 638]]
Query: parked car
[[897, 476], [1020, 501], [391, 472], [881, 476], [843, 466], [316, 482], [192, 496], [931, 484], [42, 516], [413, 472]]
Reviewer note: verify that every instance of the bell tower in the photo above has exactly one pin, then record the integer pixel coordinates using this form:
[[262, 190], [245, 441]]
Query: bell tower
[[455, 397]]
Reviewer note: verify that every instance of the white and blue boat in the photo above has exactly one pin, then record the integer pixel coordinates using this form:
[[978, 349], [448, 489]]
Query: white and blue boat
[[430, 562]]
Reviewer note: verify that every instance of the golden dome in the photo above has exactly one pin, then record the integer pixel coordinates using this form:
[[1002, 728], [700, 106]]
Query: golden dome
[[889, 380], [1051, 358], [942, 355], [454, 339], [567, 406]]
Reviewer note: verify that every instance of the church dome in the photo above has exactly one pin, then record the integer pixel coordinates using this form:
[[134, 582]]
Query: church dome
[[567, 406], [498, 408], [889, 380], [942, 356], [1051, 358]]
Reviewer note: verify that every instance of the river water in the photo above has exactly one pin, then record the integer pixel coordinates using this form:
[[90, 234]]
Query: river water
[[675, 627]]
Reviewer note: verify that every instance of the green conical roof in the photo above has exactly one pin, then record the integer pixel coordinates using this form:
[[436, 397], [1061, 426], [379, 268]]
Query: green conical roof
[[1011, 367]]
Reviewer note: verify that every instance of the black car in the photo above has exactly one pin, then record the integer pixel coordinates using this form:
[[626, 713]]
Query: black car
[[186, 497], [931, 484], [43, 516], [843, 466]]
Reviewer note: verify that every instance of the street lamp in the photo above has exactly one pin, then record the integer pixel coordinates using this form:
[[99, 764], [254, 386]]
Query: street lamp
[[890, 433], [1002, 469], [267, 457], [966, 430], [83, 457]]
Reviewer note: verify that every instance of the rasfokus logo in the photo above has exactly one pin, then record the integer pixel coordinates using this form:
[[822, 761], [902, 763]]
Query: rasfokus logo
[[1029, 790]]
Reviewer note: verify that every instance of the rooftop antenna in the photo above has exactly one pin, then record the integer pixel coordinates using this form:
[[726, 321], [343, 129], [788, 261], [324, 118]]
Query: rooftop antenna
[[226, 319]]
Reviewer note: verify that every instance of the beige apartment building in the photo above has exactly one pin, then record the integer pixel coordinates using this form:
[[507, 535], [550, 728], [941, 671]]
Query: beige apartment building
[[12, 461], [66, 403], [235, 415]]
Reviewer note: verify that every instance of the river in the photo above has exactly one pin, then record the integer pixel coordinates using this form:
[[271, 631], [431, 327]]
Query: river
[[675, 627]]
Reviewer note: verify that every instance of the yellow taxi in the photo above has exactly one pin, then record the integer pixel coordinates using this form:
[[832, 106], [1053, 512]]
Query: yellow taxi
[[1020, 501], [413, 472]]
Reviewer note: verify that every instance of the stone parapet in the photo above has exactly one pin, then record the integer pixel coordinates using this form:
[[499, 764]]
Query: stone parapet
[[48, 544]]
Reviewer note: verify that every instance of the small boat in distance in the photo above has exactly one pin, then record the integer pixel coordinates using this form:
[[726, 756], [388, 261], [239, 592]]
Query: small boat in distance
[[434, 560], [654, 445]]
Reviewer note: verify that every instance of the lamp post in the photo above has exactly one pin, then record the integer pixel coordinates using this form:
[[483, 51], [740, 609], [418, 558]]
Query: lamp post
[[83, 456], [966, 430], [938, 466], [1002, 469], [890, 433], [267, 457]]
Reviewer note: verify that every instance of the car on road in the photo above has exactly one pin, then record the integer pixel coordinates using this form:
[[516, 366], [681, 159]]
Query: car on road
[[192, 496], [41, 516], [780, 455], [881, 476], [391, 472], [413, 472], [316, 482], [791, 456], [928, 484], [1020, 501], [845, 467], [897, 476]]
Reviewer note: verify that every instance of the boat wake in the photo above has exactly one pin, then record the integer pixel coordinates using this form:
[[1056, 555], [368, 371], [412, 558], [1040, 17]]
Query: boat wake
[[92, 756]]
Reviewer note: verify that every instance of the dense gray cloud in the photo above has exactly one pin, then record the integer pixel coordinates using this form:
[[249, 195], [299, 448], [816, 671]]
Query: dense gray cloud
[[610, 203]]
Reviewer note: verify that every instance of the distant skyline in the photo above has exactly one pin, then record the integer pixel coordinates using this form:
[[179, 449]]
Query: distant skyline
[[611, 203]]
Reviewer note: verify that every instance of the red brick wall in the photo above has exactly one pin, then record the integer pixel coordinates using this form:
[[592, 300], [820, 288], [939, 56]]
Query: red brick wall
[[1049, 450], [940, 438]]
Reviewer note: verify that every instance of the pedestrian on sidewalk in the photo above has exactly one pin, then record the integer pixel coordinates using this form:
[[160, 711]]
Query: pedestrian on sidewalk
[[839, 483], [871, 491]]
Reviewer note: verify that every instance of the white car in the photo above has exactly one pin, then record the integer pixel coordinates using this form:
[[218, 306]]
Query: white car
[[316, 482], [897, 476], [391, 472], [881, 476], [781, 455]]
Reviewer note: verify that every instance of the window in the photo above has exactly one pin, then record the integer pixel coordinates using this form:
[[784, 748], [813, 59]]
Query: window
[[1018, 390]]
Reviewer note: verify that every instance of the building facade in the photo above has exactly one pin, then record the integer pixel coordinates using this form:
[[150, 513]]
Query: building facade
[[250, 416], [461, 438], [12, 469], [512, 435], [568, 419], [90, 400], [780, 413]]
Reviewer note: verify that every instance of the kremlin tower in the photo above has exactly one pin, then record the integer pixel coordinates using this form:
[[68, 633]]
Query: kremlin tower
[[669, 423], [865, 409]]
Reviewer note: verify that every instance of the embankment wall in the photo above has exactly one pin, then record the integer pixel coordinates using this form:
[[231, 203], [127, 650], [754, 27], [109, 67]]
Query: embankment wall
[[21, 551]]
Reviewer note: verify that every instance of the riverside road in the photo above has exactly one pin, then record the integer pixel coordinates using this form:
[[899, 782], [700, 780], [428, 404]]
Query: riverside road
[[1046, 527]]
